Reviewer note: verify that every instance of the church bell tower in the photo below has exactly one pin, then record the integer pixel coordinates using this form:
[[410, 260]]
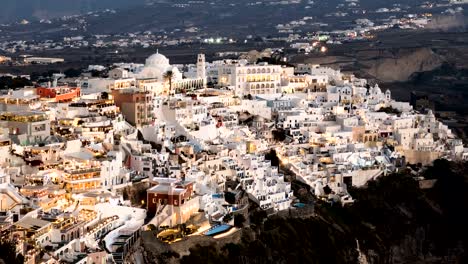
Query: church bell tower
[[201, 68]]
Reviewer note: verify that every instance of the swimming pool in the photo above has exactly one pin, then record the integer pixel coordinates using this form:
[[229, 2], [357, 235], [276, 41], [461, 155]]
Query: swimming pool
[[218, 229], [217, 195], [299, 205]]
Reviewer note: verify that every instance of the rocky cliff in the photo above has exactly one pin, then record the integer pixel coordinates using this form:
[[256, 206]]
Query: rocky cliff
[[401, 64], [395, 55]]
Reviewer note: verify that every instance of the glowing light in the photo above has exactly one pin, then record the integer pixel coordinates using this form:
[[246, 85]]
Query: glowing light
[[323, 49]]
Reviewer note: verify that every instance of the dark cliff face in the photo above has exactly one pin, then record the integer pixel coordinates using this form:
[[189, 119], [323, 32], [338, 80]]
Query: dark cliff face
[[382, 64], [396, 55], [398, 222], [400, 65], [393, 221]]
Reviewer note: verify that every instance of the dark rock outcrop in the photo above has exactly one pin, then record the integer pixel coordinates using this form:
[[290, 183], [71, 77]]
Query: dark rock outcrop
[[400, 65]]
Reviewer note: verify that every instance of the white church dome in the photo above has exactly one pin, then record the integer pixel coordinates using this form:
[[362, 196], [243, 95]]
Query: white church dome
[[158, 60], [155, 67]]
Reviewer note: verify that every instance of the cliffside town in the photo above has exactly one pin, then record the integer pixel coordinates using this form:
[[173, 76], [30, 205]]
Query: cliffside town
[[196, 152]]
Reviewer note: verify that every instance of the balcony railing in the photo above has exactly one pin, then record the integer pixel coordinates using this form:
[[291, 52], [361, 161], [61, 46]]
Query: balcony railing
[[82, 171]]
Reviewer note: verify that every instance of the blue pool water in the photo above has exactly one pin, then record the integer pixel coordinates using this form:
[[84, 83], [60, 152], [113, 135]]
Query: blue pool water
[[217, 230], [217, 195], [299, 205]]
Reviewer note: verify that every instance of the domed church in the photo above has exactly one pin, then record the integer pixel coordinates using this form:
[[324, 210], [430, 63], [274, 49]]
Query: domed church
[[156, 66]]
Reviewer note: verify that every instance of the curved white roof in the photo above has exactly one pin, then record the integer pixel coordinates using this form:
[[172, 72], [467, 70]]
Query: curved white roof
[[158, 60], [156, 66]]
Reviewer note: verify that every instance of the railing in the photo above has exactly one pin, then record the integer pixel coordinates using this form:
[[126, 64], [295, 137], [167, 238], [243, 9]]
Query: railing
[[82, 171]]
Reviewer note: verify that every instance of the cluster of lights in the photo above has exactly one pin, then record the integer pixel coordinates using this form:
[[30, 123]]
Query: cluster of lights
[[317, 45], [217, 40], [213, 40], [88, 214]]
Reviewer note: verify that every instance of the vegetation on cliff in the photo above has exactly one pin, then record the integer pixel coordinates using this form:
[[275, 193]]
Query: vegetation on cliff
[[8, 253]]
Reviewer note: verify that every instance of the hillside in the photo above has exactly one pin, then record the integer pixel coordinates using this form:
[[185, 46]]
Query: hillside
[[393, 220], [400, 65], [13, 10], [242, 17]]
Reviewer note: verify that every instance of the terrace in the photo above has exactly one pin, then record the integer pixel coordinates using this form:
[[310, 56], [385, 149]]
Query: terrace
[[102, 226], [79, 171], [25, 100], [24, 117]]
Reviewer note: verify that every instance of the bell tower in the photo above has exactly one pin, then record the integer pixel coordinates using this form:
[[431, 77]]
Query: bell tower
[[201, 68]]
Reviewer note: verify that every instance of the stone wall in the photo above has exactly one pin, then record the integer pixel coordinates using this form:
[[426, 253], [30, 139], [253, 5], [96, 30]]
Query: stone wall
[[423, 157]]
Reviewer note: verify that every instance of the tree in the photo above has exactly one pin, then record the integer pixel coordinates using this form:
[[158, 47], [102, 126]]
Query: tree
[[279, 135], [248, 97], [389, 110], [95, 73], [204, 254], [168, 77], [72, 73], [230, 197], [227, 218], [50, 73], [125, 194], [273, 157], [239, 220], [105, 95], [7, 82], [8, 252]]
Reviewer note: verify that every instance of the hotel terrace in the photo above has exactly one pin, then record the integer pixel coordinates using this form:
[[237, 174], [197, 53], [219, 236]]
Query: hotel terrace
[[82, 179], [24, 117], [20, 101]]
